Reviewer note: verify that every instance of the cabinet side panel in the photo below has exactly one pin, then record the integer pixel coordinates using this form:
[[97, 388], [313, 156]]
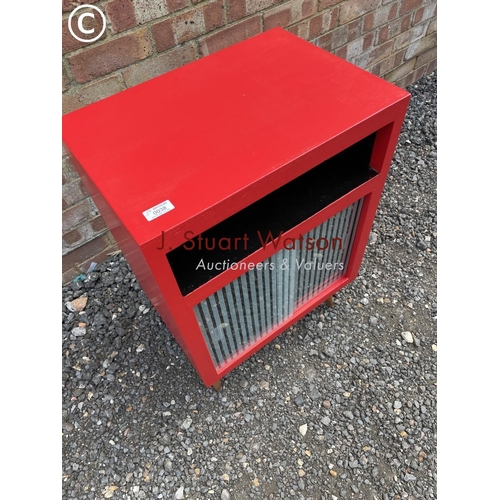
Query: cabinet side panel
[[133, 253]]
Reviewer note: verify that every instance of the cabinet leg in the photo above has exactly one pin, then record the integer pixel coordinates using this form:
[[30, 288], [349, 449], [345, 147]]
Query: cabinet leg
[[329, 301], [217, 385]]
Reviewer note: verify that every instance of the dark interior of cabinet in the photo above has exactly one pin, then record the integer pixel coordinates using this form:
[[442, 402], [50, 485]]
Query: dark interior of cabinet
[[278, 211]]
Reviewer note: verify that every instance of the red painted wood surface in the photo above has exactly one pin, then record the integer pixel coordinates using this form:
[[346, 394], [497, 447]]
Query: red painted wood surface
[[216, 135]]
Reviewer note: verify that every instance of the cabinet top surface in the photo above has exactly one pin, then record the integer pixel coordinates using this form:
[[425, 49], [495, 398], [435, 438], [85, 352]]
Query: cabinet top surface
[[201, 134]]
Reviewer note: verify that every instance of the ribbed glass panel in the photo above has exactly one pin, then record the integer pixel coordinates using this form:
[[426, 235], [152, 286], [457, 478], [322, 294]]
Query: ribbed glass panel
[[256, 303]]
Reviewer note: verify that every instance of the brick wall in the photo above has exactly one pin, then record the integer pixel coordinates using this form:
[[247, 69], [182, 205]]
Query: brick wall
[[394, 39]]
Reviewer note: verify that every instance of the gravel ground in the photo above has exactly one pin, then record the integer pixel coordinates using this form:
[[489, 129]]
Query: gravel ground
[[342, 405]]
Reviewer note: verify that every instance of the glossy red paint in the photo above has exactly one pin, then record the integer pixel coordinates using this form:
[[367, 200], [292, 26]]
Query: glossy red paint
[[213, 137]]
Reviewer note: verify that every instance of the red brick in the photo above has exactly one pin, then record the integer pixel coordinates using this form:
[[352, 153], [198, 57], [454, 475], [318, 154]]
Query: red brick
[[382, 35], [398, 57], [84, 252], [324, 4], [174, 5], [307, 8], [354, 30], [316, 26], [368, 41], [352, 9], [405, 23], [71, 238], [290, 12], [341, 52], [121, 13], [110, 56], [75, 215], [98, 225], [368, 22], [334, 18], [325, 41], [294, 30], [432, 66], [78, 97], [158, 65], [231, 35], [69, 5], [72, 193], [70, 43], [417, 16], [163, 35], [280, 18], [408, 5], [236, 9], [393, 11], [214, 15], [323, 22]]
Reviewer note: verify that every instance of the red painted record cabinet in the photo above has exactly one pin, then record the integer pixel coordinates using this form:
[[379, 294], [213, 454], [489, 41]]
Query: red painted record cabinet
[[241, 187]]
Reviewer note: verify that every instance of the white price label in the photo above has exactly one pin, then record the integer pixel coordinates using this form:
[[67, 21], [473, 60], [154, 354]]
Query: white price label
[[156, 211]]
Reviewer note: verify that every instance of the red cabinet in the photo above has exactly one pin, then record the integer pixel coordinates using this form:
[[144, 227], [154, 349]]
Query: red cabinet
[[241, 187]]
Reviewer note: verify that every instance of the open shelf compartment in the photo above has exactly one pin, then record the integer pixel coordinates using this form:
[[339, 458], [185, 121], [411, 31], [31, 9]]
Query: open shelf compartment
[[243, 233]]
